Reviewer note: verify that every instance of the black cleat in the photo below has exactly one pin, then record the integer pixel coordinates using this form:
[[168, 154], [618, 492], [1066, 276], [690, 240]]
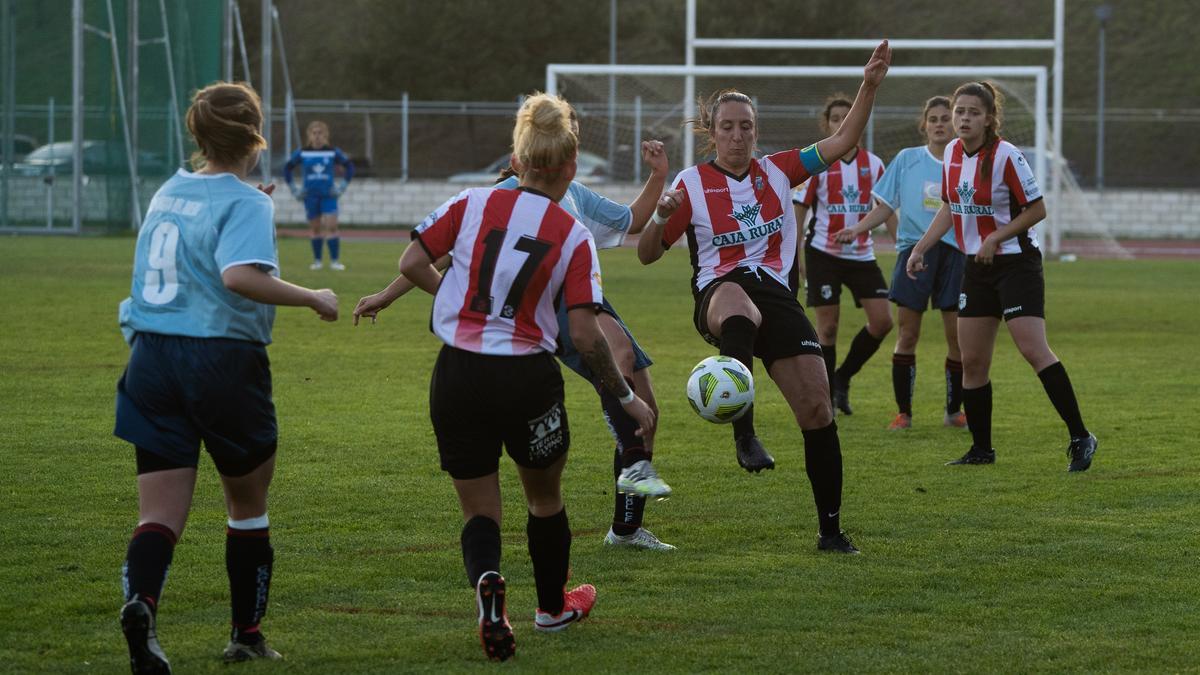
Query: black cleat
[[145, 656], [836, 543], [495, 633], [841, 395], [1080, 451], [751, 454], [975, 456]]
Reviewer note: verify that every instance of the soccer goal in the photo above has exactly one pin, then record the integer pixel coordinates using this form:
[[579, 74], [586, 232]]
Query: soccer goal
[[649, 103]]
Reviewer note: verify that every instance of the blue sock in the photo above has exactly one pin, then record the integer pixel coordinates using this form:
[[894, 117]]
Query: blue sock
[[316, 247], [334, 246]]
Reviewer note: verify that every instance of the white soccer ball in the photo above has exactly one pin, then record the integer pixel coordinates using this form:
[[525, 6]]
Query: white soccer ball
[[720, 389]]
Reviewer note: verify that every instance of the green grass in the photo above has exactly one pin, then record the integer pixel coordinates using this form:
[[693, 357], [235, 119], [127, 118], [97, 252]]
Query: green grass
[[1012, 568]]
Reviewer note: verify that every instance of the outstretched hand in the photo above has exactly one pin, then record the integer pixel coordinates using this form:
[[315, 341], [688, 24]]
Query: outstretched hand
[[877, 65], [655, 155]]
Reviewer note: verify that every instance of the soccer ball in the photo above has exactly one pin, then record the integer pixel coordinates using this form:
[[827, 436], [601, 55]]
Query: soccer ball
[[720, 389]]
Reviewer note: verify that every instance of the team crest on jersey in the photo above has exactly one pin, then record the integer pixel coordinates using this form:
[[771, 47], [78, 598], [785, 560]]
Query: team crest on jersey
[[966, 193], [546, 433], [758, 183], [318, 168], [851, 193], [596, 278], [864, 171]]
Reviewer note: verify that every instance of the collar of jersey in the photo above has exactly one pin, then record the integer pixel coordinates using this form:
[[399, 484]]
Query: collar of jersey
[[713, 164]]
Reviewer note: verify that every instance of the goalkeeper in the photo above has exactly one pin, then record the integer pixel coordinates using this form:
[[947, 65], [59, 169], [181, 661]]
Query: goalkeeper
[[320, 190]]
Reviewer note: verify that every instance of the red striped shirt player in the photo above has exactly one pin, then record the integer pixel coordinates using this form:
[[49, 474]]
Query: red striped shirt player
[[742, 235], [993, 202], [839, 198], [496, 382]]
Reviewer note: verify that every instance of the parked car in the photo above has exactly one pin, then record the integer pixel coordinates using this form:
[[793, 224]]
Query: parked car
[[22, 145], [590, 167], [99, 157]]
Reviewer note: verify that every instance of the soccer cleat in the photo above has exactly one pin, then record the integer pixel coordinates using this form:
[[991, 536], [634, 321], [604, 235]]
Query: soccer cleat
[[316, 265], [642, 480], [236, 652], [901, 422], [336, 266], [836, 543], [956, 420], [975, 456], [751, 454], [641, 538], [146, 657], [841, 395], [1080, 451], [495, 633], [577, 604]]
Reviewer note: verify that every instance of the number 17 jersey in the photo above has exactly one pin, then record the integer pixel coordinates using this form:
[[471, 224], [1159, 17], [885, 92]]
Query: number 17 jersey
[[513, 252]]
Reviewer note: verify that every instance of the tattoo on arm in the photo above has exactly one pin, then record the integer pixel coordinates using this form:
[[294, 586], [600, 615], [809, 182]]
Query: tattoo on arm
[[600, 360]]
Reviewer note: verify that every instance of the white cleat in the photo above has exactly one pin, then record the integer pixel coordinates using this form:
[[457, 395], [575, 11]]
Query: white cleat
[[642, 538], [642, 480], [316, 265], [336, 266]]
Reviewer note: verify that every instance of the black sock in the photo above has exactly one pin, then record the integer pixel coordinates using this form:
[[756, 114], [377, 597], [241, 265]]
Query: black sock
[[823, 462], [1062, 395], [904, 380], [550, 551], [146, 563], [628, 508], [737, 340], [480, 547], [862, 348], [630, 447], [248, 562], [978, 405], [954, 388], [829, 355]]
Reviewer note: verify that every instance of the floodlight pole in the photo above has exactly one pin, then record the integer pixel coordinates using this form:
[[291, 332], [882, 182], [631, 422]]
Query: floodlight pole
[[10, 70], [265, 90], [689, 87], [1057, 166], [227, 42], [133, 56], [76, 116], [612, 86], [1103, 14]]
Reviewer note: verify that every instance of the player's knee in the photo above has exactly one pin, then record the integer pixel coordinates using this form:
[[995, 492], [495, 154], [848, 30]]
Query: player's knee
[[813, 411], [827, 334], [880, 327]]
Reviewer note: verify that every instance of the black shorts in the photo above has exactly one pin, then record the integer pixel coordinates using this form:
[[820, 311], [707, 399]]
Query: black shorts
[[827, 273], [178, 391], [1012, 286], [785, 330], [479, 402], [938, 285]]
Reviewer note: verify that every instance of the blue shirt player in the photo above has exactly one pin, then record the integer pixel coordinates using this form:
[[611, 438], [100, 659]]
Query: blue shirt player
[[198, 319], [912, 185], [609, 223], [319, 162]]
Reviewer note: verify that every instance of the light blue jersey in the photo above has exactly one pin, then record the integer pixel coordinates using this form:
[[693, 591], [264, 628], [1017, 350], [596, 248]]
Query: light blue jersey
[[197, 227], [912, 185], [607, 220]]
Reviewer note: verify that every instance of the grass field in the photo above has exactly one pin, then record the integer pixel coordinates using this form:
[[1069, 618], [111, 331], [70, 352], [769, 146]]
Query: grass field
[[1009, 568]]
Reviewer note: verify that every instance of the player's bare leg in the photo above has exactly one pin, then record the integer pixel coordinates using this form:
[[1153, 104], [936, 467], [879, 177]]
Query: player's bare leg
[[827, 317]]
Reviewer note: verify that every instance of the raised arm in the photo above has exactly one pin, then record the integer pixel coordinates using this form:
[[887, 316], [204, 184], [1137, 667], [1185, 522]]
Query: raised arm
[[650, 246], [847, 135], [642, 208]]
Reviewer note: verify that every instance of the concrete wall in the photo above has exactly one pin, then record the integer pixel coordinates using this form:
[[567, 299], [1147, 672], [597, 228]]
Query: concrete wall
[[1150, 214]]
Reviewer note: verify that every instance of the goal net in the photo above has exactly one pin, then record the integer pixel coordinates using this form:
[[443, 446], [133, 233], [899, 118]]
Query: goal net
[[649, 102]]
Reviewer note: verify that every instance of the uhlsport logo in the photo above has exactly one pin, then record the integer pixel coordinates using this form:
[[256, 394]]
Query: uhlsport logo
[[747, 217], [851, 193]]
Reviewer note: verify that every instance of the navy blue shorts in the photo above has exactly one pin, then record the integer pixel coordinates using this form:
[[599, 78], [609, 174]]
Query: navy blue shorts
[[937, 286], [178, 391], [571, 357], [481, 402], [316, 206]]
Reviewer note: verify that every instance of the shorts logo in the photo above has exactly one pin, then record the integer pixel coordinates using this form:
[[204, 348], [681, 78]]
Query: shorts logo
[[826, 291], [546, 433], [1011, 310], [810, 344], [962, 301]]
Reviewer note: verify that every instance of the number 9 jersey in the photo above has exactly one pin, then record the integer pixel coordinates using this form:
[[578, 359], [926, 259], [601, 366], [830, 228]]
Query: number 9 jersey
[[515, 255], [198, 226]]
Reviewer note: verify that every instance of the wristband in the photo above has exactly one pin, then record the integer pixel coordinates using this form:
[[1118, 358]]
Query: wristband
[[659, 220], [627, 398]]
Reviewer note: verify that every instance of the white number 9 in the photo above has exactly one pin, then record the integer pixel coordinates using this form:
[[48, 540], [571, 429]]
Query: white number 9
[[162, 283]]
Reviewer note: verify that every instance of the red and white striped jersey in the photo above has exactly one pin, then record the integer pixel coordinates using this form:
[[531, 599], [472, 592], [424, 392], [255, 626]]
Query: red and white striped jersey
[[744, 221], [512, 253], [838, 199], [981, 204]]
